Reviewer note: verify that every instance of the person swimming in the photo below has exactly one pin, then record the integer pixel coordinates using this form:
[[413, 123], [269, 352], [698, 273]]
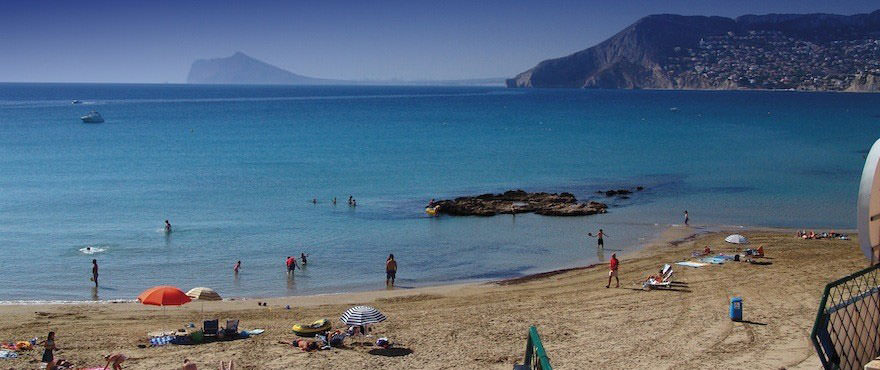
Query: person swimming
[[167, 226]]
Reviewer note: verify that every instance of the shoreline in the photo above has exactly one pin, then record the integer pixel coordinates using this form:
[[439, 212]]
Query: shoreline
[[446, 326], [672, 235]]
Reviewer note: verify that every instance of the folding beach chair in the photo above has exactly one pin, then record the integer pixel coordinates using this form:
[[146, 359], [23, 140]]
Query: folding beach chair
[[231, 329], [211, 328]]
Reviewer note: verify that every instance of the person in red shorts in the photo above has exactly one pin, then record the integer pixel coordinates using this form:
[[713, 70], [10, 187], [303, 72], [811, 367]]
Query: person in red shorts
[[613, 264]]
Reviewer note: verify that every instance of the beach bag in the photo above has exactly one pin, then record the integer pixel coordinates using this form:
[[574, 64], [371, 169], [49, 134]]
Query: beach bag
[[383, 342]]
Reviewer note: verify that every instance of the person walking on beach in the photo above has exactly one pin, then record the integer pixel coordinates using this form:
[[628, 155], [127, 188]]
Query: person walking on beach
[[613, 264], [600, 236], [237, 267], [390, 270], [49, 345], [686, 218], [167, 227], [95, 272]]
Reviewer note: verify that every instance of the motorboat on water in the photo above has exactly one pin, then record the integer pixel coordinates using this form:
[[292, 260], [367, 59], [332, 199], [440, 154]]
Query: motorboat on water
[[92, 117], [76, 101]]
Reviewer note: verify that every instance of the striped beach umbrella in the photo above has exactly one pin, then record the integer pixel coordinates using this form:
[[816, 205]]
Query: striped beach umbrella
[[362, 315], [203, 294]]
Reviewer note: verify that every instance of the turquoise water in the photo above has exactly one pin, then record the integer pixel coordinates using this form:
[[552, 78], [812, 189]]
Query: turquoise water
[[235, 169]]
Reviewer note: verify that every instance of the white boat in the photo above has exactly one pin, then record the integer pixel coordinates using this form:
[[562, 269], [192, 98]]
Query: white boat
[[75, 101], [92, 117]]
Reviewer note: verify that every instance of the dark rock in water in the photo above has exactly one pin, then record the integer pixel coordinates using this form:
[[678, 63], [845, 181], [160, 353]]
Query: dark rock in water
[[519, 201], [618, 192]]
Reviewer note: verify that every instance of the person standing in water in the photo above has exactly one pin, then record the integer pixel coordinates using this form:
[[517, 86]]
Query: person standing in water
[[237, 267], [95, 272], [291, 264], [350, 199], [303, 256], [334, 201], [613, 264], [167, 226], [686, 218], [390, 270], [600, 236]]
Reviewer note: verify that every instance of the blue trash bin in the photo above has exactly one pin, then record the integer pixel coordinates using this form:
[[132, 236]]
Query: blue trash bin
[[736, 308]]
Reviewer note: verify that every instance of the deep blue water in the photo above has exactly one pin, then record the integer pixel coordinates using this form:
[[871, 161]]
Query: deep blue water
[[235, 169]]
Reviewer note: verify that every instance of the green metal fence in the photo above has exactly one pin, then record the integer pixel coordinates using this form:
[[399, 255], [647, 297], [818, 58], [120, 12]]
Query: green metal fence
[[536, 357], [846, 333]]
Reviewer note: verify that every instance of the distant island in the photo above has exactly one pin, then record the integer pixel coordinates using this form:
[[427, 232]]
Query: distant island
[[241, 69], [810, 52]]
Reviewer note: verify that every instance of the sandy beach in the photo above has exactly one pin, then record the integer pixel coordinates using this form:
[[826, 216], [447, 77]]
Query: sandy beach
[[477, 326]]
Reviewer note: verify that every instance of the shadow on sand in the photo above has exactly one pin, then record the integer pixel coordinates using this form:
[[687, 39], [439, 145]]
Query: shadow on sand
[[391, 352]]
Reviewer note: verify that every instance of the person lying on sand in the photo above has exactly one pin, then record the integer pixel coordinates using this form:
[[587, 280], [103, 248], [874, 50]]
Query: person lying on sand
[[188, 365], [115, 360]]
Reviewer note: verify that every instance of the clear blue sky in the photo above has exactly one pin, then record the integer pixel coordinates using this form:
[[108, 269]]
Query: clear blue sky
[[156, 41]]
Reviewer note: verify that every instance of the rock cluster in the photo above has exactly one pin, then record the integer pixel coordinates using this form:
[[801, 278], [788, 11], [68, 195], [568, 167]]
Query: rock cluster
[[519, 201]]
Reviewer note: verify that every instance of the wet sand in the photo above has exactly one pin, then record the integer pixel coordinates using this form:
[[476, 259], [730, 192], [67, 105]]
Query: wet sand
[[477, 326]]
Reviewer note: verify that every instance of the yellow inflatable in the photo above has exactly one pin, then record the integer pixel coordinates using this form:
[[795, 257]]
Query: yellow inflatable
[[320, 326], [432, 211]]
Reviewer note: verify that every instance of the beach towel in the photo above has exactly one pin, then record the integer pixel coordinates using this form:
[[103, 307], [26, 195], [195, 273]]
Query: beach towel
[[692, 264], [253, 332], [7, 354], [161, 341], [713, 260]]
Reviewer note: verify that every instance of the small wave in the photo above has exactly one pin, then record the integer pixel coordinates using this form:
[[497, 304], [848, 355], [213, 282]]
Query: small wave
[[92, 250], [59, 302]]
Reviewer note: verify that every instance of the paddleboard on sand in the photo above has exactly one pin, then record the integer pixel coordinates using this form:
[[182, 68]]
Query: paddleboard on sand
[[692, 264]]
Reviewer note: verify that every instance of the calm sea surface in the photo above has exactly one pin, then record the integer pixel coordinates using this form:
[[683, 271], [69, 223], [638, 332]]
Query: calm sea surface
[[235, 170]]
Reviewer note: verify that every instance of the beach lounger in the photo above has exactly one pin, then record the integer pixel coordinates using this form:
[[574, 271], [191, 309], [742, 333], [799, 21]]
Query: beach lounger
[[664, 282], [211, 328], [667, 272]]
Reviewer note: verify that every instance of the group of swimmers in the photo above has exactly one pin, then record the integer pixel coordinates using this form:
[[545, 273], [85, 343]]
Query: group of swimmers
[[351, 201], [292, 264]]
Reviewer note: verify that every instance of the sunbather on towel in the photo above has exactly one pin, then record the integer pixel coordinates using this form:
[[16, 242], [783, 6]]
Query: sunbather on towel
[[114, 360], [189, 365]]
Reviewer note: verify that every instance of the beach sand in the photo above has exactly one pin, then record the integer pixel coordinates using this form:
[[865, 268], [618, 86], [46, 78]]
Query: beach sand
[[477, 326]]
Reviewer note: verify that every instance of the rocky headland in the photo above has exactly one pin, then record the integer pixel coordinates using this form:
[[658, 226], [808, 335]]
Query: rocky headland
[[807, 52]]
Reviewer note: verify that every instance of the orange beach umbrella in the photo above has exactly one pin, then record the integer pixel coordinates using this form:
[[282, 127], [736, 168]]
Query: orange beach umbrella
[[163, 295]]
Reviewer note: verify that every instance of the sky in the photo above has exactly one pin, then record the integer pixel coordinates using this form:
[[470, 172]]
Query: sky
[[156, 41]]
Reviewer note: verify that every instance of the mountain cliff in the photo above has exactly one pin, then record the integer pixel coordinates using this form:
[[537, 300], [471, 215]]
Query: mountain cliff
[[242, 69], [775, 51]]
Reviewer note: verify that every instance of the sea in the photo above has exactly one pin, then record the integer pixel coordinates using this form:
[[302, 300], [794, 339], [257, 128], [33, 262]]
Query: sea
[[235, 169]]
